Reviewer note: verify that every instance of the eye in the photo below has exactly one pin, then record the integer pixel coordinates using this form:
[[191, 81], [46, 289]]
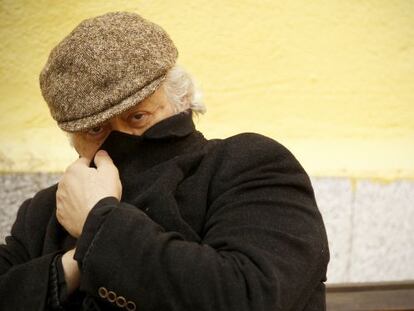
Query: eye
[[138, 116], [95, 131], [138, 119]]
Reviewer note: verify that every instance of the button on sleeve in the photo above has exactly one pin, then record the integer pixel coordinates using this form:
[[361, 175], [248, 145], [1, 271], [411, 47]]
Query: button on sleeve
[[130, 306], [111, 296], [103, 292], [121, 302]]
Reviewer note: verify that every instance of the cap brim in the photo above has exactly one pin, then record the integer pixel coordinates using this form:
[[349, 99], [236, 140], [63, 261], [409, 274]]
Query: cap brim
[[96, 119]]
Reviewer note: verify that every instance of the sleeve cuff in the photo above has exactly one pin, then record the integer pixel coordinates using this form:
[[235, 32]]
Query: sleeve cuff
[[57, 284], [63, 291], [92, 224]]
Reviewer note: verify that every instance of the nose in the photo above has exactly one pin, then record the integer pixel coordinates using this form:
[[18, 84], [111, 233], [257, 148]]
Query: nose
[[117, 124]]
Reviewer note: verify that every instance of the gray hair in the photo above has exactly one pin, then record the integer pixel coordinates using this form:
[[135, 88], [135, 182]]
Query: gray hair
[[182, 91]]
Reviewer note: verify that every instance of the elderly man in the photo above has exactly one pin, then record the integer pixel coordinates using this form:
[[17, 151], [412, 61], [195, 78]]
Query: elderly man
[[153, 216]]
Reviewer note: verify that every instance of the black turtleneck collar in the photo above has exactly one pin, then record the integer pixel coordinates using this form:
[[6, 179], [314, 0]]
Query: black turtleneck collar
[[135, 154], [178, 125], [166, 139]]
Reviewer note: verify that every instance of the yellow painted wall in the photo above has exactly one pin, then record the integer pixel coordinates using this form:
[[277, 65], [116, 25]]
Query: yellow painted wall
[[331, 80]]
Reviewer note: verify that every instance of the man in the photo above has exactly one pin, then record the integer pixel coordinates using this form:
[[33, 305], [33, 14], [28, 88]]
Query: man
[[159, 218]]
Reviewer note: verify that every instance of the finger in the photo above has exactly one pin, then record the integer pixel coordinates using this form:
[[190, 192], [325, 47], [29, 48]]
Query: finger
[[77, 168], [83, 161], [103, 161]]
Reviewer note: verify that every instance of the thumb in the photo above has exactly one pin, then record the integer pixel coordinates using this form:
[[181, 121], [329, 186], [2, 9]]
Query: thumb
[[103, 160]]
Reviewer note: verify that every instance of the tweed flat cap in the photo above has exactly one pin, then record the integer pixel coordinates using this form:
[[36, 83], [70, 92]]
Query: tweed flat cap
[[106, 65]]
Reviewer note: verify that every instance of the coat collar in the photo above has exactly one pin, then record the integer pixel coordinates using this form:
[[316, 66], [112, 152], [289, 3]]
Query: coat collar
[[164, 140], [178, 125], [167, 139]]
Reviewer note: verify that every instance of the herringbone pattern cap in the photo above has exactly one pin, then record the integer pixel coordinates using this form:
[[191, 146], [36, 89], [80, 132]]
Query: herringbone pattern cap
[[106, 65]]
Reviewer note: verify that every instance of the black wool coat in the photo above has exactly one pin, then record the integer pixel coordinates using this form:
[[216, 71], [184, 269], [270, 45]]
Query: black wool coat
[[202, 225]]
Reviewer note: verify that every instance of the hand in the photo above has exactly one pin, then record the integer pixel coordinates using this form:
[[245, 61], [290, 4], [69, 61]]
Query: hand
[[81, 187]]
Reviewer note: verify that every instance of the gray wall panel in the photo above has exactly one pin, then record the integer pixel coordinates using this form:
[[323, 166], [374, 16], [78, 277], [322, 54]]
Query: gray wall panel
[[370, 226]]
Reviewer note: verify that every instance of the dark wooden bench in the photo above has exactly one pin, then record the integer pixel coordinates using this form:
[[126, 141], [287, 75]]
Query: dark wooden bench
[[382, 296]]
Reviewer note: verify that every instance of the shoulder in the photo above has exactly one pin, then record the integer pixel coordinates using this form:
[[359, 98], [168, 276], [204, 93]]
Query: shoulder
[[253, 141], [250, 157], [248, 149], [36, 211], [43, 202], [46, 195], [33, 217]]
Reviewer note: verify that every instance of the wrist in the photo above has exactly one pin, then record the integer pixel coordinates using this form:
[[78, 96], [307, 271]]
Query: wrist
[[71, 271]]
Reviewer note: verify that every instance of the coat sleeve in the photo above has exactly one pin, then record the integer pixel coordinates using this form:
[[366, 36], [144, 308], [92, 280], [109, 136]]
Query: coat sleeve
[[24, 281], [263, 246]]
